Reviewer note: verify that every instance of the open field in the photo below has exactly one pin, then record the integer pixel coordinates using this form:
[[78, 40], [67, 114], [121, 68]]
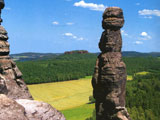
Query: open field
[[142, 73], [79, 113], [129, 77], [63, 95], [70, 97]]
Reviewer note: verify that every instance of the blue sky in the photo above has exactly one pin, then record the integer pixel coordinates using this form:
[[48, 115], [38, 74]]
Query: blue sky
[[56, 26]]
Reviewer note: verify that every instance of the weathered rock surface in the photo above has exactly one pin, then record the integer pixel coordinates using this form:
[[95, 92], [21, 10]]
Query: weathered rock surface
[[11, 82], [11, 77], [40, 111], [12, 87], [109, 78], [10, 109], [24, 109], [113, 18]]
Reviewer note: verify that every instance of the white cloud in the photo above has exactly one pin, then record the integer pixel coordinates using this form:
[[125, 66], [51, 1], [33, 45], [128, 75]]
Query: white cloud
[[137, 4], [148, 17], [147, 12], [7, 8], [73, 36], [91, 6], [81, 38], [69, 23], [55, 23], [138, 42], [144, 36], [124, 33], [68, 34]]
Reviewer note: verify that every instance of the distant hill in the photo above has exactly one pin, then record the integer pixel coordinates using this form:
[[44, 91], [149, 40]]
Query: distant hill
[[138, 54], [33, 56], [84, 54], [77, 52]]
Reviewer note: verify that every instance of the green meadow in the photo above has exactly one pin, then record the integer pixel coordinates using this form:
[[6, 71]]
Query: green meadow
[[63, 95], [70, 97]]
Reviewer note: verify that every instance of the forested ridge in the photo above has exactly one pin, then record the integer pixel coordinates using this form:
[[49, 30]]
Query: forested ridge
[[62, 68], [44, 56], [75, 66], [143, 96]]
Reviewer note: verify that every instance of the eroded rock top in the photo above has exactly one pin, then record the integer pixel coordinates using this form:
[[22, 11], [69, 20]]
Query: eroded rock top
[[113, 18]]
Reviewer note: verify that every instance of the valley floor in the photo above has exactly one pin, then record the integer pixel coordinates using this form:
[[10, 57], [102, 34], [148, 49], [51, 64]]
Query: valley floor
[[63, 95], [70, 97]]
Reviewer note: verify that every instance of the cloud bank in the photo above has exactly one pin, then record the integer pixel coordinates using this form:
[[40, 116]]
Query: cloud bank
[[73, 36], [91, 6], [147, 12], [144, 36], [55, 23]]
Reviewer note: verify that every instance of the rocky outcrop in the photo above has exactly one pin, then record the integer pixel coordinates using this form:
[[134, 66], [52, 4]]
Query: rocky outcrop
[[10, 76], [15, 100], [11, 82], [40, 111], [10, 109], [109, 78], [27, 110]]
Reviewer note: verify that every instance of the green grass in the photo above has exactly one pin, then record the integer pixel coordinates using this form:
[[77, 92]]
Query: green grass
[[79, 113], [129, 77], [63, 95], [87, 77], [142, 73], [70, 97]]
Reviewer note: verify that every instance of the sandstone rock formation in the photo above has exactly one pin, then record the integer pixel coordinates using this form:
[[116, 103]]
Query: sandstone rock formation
[[109, 78], [11, 82], [24, 109], [13, 88], [10, 109], [40, 111], [10, 76]]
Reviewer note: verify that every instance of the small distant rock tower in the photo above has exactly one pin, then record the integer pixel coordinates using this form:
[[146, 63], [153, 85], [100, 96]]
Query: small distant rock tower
[[11, 82], [109, 79]]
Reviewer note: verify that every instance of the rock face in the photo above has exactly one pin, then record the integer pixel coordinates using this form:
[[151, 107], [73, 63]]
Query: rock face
[[109, 78], [10, 109], [27, 110], [13, 88], [40, 111], [11, 81]]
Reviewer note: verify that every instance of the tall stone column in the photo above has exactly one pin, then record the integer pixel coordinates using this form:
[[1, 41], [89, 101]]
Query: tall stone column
[[109, 79], [11, 82]]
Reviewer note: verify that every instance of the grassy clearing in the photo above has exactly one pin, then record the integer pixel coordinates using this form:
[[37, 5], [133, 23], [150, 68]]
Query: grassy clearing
[[142, 73], [63, 95], [79, 113], [129, 77]]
